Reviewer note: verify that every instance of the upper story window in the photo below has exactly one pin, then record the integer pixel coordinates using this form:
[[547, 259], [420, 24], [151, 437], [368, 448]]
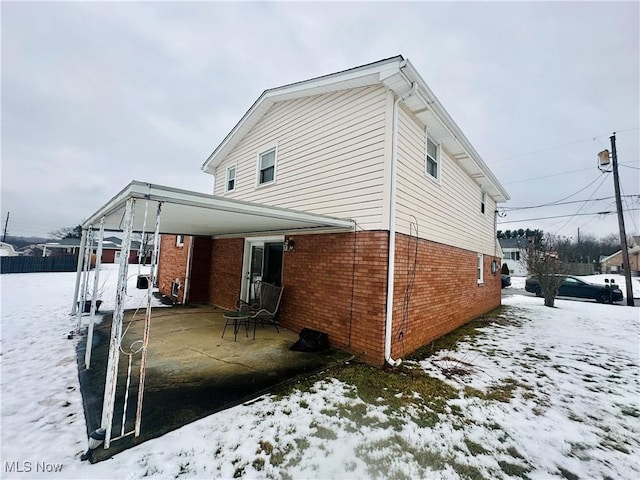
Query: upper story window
[[483, 198], [267, 167], [432, 161], [230, 184]]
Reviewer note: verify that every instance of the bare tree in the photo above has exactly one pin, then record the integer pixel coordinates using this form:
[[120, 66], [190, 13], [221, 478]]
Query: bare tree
[[67, 232], [542, 261]]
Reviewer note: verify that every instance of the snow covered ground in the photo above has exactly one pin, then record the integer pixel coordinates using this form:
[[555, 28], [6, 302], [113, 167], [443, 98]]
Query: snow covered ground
[[543, 393]]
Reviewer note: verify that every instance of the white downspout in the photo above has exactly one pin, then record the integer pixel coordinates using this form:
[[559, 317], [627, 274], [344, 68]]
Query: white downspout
[[187, 274], [392, 231]]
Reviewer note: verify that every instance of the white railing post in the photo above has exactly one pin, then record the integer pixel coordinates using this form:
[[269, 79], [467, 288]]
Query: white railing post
[[111, 381], [96, 280], [147, 322]]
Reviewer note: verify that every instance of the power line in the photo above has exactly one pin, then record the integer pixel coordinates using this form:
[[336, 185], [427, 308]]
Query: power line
[[512, 209], [564, 216], [569, 196], [548, 176], [582, 206], [592, 138], [624, 197]]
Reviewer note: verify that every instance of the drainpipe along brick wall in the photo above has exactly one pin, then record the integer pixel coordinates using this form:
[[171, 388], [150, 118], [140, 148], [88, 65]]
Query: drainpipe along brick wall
[[445, 293]]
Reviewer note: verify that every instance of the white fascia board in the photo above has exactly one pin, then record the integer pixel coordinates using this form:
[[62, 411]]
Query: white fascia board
[[434, 104], [119, 199], [158, 193], [370, 74]]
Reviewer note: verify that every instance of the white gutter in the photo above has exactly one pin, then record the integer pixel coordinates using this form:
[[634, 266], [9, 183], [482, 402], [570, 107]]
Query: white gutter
[[392, 231]]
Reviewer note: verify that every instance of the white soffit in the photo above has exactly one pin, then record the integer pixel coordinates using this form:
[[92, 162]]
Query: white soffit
[[199, 214]]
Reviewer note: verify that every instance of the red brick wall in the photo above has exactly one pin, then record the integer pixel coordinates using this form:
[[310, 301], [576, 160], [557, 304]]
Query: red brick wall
[[226, 271], [323, 289], [200, 270], [445, 294], [172, 264], [319, 278]]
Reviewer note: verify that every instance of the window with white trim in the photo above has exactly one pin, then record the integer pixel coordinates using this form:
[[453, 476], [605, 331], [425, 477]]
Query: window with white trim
[[480, 268], [175, 288], [432, 159], [179, 240], [230, 184], [267, 167], [483, 198]]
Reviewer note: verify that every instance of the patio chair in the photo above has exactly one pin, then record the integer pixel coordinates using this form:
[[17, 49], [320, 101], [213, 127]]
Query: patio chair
[[265, 308]]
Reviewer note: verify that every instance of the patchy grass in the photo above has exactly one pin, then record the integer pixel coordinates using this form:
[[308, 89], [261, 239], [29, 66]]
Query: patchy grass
[[514, 470], [395, 388], [568, 474], [475, 449], [465, 332]]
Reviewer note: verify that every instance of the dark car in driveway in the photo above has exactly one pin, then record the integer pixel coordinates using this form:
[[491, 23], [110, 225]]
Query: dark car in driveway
[[574, 287], [506, 281]]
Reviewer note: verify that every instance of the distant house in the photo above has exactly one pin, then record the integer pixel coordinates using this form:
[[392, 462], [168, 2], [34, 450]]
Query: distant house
[[513, 250], [614, 264], [31, 251], [7, 250], [110, 249]]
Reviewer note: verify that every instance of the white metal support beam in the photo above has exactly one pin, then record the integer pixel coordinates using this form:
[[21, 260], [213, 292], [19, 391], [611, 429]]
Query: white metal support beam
[[94, 296], [111, 381], [147, 322], [86, 254], [76, 291]]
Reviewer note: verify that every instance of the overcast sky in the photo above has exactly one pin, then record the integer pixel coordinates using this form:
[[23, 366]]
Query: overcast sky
[[95, 95]]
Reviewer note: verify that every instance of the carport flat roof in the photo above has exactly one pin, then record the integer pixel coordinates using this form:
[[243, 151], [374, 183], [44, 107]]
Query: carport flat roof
[[194, 213]]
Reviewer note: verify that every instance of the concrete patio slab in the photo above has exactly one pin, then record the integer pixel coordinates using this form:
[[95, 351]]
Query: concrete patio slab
[[192, 371]]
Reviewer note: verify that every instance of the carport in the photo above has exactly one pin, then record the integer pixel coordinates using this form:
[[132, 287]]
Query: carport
[[147, 208]]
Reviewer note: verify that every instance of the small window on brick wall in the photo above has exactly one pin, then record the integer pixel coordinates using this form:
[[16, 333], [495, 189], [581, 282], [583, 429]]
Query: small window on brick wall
[[480, 268], [175, 288], [179, 240]]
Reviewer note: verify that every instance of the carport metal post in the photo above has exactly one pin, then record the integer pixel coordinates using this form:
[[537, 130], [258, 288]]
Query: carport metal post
[[86, 254], [96, 280], [111, 381], [74, 305], [147, 322]]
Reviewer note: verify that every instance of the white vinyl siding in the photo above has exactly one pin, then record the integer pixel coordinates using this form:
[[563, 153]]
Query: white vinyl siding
[[329, 160], [447, 211]]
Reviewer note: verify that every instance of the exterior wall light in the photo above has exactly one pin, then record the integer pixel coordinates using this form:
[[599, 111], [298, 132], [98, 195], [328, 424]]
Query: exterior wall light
[[288, 245]]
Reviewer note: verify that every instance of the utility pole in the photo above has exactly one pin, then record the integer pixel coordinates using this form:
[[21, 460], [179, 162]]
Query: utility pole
[[623, 234], [4, 237]]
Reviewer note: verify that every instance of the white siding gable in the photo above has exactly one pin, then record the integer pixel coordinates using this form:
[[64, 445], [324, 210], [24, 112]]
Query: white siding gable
[[329, 160]]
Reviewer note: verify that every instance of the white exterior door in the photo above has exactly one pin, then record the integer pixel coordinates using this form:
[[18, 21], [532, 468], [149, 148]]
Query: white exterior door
[[255, 264]]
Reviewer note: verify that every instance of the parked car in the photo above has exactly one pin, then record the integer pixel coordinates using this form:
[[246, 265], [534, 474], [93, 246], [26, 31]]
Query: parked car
[[574, 287], [506, 281]]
